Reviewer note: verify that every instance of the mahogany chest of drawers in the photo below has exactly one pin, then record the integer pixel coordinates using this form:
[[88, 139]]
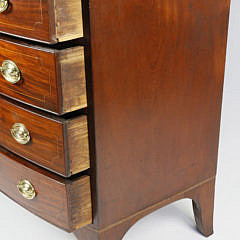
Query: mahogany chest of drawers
[[110, 110]]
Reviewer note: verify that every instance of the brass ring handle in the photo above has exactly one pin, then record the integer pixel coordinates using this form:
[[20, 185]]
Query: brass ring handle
[[26, 189], [10, 71], [3, 5], [20, 133]]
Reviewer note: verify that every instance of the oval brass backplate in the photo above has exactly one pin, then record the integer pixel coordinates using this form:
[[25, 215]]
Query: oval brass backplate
[[3, 5], [20, 133], [26, 189], [10, 71]]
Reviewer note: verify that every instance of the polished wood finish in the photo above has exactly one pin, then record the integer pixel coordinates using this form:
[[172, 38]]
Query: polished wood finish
[[202, 194], [64, 203], [203, 207], [48, 21], [51, 79], [157, 79], [154, 75], [60, 145]]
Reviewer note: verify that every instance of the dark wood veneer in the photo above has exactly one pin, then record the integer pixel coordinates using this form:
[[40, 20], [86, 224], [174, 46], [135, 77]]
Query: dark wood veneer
[[201, 193], [60, 145], [157, 79], [51, 79], [155, 72], [43, 20], [64, 203]]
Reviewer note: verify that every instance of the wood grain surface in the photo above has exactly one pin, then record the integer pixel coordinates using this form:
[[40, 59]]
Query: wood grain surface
[[202, 195], [157, 79], [43, 20], [64, 203], [68, 19], [51, 138], [51, 79], [71, 70], [77, 144]]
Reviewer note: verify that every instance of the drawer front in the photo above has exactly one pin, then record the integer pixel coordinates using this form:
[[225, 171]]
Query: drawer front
[[53, 80], [43, 20], [57, 144], [66, 204]]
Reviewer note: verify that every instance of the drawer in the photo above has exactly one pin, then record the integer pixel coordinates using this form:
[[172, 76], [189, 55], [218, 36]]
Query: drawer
[[50, 79], [58, 144], [64, 203], [48, 21]]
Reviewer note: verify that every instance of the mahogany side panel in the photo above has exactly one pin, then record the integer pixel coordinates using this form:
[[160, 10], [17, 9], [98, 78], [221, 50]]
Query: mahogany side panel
[[56, 198], [157, 79]]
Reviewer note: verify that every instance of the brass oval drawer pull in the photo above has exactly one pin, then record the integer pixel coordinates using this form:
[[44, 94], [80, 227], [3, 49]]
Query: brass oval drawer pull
[[3, 5], [20, 133], [10, 71], [26, 189]]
